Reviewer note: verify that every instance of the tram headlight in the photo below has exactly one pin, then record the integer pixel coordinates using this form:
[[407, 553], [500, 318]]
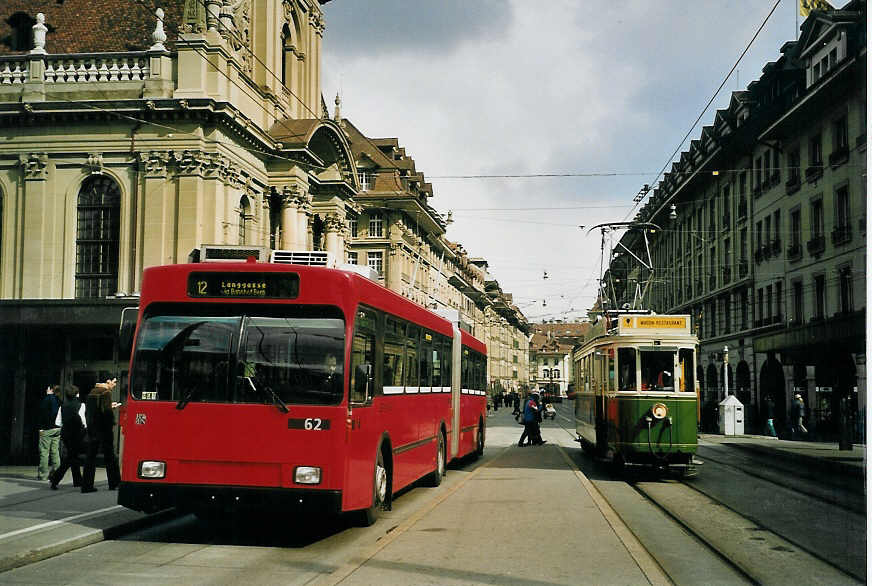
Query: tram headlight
[[659, 410], [307, 475], [152, 469]]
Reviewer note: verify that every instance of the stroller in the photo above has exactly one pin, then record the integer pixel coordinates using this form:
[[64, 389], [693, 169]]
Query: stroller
[[550, 411]]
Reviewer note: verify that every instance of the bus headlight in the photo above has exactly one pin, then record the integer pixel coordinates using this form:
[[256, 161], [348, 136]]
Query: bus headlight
[[151, 469], [307, 475], [659, 410]]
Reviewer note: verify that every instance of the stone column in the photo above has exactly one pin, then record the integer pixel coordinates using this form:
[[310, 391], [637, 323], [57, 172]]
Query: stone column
[[304, 212], [289, 218], [333, 227]]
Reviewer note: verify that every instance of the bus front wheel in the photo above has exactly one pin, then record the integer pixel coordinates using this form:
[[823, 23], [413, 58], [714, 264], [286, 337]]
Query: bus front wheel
[[379, 492]]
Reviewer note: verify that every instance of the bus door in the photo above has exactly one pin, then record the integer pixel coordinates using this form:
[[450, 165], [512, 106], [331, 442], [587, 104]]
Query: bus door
[[362, 426]]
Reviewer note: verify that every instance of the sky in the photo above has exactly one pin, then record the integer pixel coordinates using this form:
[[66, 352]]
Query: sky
[[604, 91]]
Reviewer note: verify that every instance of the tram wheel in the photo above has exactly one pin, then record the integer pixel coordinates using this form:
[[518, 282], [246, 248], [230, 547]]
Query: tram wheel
[[435, 477], [379, 493]]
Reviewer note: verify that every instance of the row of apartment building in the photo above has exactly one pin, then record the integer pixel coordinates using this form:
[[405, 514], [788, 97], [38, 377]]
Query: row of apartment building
[[132, 138], [762, 233]]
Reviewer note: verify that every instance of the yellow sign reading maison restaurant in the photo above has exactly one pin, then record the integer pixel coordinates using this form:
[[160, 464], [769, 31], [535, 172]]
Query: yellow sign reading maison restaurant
[[655, 322]]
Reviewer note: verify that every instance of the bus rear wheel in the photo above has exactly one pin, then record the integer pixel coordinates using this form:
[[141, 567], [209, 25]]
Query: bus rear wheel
[[435, 477], [379, 493], [479, 442]]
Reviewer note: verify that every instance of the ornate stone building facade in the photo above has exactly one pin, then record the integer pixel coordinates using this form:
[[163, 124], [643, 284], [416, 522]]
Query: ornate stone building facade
[[763, 236]]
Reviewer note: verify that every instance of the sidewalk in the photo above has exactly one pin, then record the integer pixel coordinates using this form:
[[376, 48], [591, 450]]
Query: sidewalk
[[37, 523], [819, 456]]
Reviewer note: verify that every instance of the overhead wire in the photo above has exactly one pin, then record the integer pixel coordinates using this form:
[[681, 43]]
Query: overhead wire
[[711, 100]]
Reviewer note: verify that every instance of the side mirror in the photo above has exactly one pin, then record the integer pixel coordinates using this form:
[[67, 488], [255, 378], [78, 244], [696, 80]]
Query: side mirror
[[126, 329]]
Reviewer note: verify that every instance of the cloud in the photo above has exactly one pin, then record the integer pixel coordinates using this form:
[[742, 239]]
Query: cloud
[[379, 27], [521, 87]]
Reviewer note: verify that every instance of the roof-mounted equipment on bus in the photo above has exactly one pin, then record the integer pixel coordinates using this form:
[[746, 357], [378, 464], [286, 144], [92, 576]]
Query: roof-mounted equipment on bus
[[312, 258], [228, 253]]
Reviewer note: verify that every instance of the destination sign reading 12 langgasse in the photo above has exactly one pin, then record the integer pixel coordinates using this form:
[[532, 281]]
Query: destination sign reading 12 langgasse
[[244, 285]]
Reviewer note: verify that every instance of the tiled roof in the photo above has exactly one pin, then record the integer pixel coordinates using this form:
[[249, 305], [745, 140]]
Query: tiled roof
[[93, 26]]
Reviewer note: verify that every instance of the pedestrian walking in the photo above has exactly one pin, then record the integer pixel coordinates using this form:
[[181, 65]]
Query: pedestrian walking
[[531, 423], [516, 404], [797, 412], [536, 438], [49, 433], [769, 404], [71, 418], [101, 421]]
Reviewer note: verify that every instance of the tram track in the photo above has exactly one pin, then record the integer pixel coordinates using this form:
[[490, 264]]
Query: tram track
[[754, 549]]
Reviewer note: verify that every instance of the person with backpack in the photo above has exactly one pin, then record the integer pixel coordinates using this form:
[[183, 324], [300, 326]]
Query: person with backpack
[[71, 419]]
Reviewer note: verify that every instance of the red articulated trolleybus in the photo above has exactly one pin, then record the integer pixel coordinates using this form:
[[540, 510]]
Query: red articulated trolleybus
[[261, 386]]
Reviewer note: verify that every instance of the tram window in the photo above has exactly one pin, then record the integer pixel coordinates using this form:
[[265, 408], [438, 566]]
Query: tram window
[[627, 366], [657, 370], [686, 378], [611, 367], [392, 368]]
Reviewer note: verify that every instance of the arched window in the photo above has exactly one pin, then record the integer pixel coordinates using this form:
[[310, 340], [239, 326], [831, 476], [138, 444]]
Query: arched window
[[97, 228], [244, 218], [555, 374]]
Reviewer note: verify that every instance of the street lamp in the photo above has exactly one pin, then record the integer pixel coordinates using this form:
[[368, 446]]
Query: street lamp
[[726, 371]]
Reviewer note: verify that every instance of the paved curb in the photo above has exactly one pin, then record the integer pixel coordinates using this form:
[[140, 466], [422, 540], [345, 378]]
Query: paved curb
[[811, 462], [89, 537]]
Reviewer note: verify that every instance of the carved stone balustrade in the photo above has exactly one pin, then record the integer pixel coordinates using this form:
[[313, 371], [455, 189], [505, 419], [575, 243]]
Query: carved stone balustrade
[[13, 70], [97, 67]]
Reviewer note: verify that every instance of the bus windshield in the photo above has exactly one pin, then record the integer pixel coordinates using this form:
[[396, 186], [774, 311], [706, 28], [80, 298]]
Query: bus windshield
[[293, 357]]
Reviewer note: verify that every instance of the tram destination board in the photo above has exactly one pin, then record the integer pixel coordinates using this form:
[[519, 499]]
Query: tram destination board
[[668, 323], [244, 285]]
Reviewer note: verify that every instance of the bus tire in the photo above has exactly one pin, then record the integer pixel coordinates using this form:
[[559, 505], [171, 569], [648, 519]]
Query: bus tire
[[479, 442], [379, 492], [435, 477]]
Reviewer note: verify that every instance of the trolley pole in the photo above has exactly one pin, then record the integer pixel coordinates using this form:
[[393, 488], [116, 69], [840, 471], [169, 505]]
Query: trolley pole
[[726, 371]]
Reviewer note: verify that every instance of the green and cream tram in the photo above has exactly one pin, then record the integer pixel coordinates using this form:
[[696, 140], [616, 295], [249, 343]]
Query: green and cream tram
[[636, 390]]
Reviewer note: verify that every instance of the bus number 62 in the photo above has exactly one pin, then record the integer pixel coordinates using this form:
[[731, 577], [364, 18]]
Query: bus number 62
[[312, 423]]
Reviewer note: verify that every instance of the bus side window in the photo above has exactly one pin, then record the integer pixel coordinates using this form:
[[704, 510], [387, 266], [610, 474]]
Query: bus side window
[[361, 387], [362, 356], [392, 369]]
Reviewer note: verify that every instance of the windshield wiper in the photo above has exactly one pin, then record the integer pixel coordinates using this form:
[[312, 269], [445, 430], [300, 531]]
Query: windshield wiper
[[276, 400], [183, 402]]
